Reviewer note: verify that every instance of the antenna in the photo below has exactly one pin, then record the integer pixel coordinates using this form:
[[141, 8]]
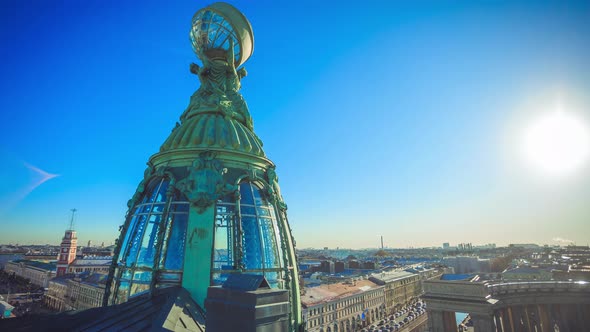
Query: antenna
[[72, 220]]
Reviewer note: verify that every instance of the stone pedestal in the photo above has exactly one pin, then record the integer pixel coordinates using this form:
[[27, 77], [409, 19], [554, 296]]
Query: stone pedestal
[[262, 310]]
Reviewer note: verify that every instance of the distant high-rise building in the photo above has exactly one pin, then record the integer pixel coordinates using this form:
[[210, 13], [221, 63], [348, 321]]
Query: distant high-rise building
[[327, 267], [89, 243], [446, 245]]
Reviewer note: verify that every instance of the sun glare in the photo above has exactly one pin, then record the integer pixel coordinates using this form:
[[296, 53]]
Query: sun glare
[[557, 144]]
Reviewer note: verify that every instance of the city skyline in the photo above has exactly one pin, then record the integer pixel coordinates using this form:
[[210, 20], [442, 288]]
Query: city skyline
[[385, 120]]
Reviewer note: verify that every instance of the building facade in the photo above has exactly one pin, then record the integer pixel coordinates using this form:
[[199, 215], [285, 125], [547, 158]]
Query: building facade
[[401, 288], [467, 264], [76, 292], [497, 306], [100, 264], [38, 273], [343, 306], [55, 296]]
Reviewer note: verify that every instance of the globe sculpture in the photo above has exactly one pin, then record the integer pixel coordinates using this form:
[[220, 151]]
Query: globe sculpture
[[217, 28], [209, 204]]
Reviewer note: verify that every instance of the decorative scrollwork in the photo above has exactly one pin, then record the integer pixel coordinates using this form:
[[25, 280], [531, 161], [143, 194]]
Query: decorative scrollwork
[[219, 90], [204, 184], [273, 190]]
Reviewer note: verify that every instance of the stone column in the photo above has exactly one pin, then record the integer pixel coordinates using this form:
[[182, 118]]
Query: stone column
[[518, 318], [450, 321], [498, 322], [435, 321], [544, 318], [483, 322], [441, 321], [505, 318]]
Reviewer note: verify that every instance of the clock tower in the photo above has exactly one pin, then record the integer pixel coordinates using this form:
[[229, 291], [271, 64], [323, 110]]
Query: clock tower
[[67, 250]]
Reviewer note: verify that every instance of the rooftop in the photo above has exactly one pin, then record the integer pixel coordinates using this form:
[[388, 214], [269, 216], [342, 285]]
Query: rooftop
[[37, 264], [330, 292], [456, 276], [93, 261], [166, 309], [385, 277]]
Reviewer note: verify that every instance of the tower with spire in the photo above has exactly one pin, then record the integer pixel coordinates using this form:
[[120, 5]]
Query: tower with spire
[[67, 250]]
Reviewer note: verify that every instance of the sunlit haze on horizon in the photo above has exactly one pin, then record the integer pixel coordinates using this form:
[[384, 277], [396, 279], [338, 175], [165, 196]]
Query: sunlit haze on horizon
[[423, 122]]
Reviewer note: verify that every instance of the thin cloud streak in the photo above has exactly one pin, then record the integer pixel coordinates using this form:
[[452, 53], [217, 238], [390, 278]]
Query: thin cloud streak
[[21, 194]]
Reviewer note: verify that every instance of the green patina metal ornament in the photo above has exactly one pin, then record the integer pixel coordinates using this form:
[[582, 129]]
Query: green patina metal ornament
[[205, 184], [209, 204]]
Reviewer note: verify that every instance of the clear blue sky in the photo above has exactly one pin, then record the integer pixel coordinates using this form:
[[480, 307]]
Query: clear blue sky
[[384, 118]]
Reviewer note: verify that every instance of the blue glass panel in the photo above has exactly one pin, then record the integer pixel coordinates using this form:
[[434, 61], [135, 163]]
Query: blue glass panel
[[225, 44], [155, 218], [273, 279], [167, 229], [138, 288], [246, 194], [226, 25], [126, 274], [168, 276], [122, 292], [153, 190], [132, 225], [249, 210], [144, 198], [275, 225], [158, 208], [211, 37], [251, 243], [134, 245], [258, 197], [263, 212], [145, 276], [225, 208], [222, 253], [207, 15], [180, 207], [161, 197], [145, 208], [269, 244], [147, 251], [176, 242]]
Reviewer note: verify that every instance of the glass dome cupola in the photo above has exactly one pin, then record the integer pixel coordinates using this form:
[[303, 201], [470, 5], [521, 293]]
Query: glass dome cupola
[[209, 204]]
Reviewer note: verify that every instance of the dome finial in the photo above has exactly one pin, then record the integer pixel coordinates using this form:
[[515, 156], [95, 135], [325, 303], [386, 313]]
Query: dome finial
[[219, 30]]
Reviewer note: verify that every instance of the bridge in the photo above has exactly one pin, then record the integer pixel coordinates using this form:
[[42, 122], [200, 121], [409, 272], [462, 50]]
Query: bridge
[[539, 306]]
